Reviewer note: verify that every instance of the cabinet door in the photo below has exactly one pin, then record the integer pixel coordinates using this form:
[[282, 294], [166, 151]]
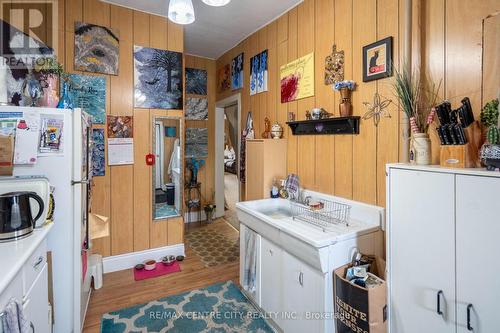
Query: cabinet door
[[478, 228], [271, 278], [303, 295], [421, 251], [36, 303]]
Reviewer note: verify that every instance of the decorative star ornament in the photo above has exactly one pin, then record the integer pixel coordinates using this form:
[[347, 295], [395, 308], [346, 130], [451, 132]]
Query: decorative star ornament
[[378, 109]]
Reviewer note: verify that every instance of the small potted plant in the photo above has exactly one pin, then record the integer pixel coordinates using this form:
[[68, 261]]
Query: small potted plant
[[194, 166], [490, 152], [345, 88], [209, 212], [48, 71]]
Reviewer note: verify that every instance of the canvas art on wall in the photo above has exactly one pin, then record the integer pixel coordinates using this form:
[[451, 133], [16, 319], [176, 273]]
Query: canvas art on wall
[[196, 108], [120, 127], [196, 81], [377, 60], [297, 79], [88, 93], [157, 78], [224, 78], [237, 72], [98, 159], [196, 142], [96, 49], [258, 73]]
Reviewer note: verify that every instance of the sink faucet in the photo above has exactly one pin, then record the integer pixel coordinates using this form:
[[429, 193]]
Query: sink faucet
[[299, 197]]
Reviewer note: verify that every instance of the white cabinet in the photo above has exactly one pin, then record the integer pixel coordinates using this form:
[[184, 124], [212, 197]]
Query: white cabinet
[[478, 247], [271, 277], [442, 242], [35, 303]]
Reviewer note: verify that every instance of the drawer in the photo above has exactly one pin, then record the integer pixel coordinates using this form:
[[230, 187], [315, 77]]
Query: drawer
[[34, 266]]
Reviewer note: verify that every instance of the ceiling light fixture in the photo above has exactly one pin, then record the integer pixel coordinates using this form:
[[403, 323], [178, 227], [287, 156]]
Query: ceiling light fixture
[[181, 11], [216, 3]]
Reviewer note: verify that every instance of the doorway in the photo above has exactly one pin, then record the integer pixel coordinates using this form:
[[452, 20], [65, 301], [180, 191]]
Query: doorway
[[227, 151]]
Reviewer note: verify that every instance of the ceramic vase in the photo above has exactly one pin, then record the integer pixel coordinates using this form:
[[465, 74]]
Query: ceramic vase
[[65, 102], [420, 149], [345, 106], [50, 96]]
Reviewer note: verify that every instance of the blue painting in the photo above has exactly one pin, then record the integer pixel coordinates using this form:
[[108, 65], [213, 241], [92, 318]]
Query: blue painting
[[237, 72], [157, 78], [98, 160], [258, 73], [196, 81], [196, 142], [88, 93]]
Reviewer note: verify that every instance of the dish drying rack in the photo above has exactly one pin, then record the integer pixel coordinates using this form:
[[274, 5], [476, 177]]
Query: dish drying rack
[[331, 213]]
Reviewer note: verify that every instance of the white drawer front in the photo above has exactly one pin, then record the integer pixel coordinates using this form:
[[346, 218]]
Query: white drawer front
[[34, 266]]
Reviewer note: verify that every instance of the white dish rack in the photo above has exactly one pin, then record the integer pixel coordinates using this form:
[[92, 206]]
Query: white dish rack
[[326, 217]]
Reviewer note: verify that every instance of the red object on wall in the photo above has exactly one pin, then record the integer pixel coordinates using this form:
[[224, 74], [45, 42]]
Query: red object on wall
[[150, 159]]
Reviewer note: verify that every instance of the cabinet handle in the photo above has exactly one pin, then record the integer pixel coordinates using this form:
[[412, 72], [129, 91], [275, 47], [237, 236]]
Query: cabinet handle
[[438, 310], [301, 279], [271, 252], [32, 327], [38, 262], [469, 327]]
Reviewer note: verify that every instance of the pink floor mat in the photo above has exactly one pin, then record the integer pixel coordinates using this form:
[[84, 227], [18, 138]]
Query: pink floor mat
[[160, 269]]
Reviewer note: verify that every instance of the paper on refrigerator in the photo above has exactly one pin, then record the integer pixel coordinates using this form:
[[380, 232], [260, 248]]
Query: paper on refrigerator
[[26, 142]]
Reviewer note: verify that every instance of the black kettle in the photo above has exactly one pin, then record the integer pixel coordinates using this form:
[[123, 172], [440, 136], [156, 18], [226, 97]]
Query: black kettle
[[16, 219]]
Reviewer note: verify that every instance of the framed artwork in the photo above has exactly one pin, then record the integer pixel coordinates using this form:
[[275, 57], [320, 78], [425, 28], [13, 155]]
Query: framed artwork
[[120, 127], [377, 60], [196, 108], [224, 78], [157, 78], [98, 159], [297, 79], [237, 72], [258, 73], [88, 93], [96, 49], [196, 142], [196, 81]]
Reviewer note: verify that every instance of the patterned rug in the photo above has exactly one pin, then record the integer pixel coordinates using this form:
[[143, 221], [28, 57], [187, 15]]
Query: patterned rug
[[212, 247], [217, 308]]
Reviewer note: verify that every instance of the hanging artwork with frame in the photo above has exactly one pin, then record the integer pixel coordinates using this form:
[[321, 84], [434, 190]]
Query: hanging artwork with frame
[[258, 73], [237, 72], [196, 81], [297, 79], [88, 92], [223, 78], [377, 60]]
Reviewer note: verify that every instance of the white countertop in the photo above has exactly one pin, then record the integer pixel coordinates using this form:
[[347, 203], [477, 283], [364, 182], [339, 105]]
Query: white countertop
[[437, 168], [13, 255]]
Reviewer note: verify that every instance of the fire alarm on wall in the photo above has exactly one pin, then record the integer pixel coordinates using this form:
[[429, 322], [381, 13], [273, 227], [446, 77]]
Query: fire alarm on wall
[[150, 159]]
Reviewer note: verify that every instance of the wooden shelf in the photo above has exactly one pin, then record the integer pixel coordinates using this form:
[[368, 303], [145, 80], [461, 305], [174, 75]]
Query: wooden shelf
[[338, 125]]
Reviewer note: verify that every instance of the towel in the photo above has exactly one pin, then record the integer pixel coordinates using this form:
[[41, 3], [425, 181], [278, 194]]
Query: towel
[[250, 261], [13, 320], [292, 185]]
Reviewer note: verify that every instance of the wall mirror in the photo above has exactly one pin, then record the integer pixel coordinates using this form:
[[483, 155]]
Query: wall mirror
[[167, 170]]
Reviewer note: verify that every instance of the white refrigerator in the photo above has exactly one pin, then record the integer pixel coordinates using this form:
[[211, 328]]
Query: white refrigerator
[[69, 172]]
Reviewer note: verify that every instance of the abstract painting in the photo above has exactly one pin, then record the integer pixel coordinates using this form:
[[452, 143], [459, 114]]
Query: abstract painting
[[98, 159], [196, 108], [196, 142], [120, 127], [297, 79], [224, 78], [196, 81], [88, 93], [96, 49], [237, 72], [157, 78], [258, 73]]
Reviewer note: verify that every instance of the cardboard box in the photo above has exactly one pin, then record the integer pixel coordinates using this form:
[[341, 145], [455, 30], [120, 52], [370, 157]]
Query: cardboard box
[[357, 309], [6, 155]]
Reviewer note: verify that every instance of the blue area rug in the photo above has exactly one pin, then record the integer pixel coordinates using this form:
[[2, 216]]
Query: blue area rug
[[164, 210], [217, 308]]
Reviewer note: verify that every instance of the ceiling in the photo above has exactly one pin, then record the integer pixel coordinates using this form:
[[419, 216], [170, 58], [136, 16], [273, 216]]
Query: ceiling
[[218, 29]]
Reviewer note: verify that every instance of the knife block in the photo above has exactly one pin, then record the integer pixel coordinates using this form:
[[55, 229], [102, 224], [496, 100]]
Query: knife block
[[463, 156]]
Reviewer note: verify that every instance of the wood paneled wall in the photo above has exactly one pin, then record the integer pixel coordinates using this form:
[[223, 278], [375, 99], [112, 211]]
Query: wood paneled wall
[[124, 194], [348, 166], [206, 174]]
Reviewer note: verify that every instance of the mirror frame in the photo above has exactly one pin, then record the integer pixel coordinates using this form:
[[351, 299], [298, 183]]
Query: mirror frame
[[156, 117]]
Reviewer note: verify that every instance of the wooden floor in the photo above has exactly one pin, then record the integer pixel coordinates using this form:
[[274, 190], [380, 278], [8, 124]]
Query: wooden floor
[[120, 290]]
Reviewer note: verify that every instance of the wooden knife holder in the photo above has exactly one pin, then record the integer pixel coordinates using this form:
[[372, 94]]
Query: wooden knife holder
[[464, 156]]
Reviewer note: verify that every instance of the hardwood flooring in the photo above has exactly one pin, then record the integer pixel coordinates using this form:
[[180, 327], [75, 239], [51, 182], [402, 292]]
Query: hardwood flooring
[[120, 290]]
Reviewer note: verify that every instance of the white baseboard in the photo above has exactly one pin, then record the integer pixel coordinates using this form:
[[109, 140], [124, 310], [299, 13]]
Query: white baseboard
[[194, 217], [129, 260]]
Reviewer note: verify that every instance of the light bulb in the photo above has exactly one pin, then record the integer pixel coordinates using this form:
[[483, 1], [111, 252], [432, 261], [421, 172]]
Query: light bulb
[[181, 11], [216, 3]]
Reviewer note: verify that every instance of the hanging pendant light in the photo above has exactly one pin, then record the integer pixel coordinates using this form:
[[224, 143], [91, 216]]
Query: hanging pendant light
[[216, 3], [181, 11]]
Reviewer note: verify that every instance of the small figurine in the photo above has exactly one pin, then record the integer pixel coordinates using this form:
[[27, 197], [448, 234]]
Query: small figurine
[[325, 114], [267, 129], [308, 115], [276, 131]]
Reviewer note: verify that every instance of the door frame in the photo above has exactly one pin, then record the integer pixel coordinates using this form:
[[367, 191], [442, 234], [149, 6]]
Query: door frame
[[219, 150]]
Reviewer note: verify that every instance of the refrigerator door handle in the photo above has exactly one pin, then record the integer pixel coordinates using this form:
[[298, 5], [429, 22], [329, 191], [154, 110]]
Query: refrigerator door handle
[[75, 182]]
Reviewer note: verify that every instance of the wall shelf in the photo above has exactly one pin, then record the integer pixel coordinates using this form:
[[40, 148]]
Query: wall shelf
[[337, 125]]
